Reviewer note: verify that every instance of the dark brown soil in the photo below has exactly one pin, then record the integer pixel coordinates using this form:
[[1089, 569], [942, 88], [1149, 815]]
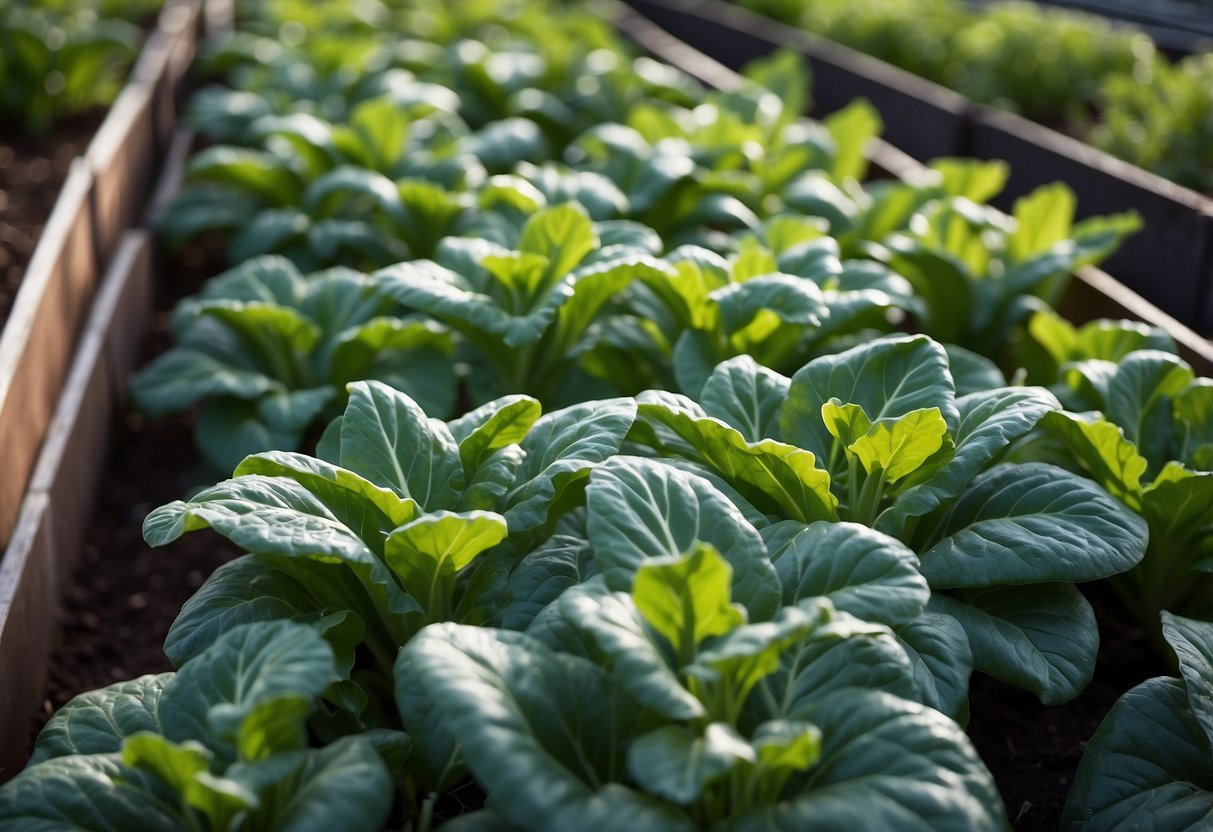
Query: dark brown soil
[[1032, 749], [32, 169]]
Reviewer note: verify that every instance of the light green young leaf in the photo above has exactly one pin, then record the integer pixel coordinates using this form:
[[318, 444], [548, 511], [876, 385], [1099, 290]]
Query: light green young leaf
[[427, 552], [686, 597], [888, 377], [900, 447]]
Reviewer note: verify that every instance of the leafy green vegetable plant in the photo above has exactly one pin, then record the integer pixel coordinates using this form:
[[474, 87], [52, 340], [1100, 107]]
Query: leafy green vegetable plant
[[389, 527], [219, 745], [268, 352], [1143, 428], [877, 435], [527, 312], [676, 713], [1151, 761], [56, 62]]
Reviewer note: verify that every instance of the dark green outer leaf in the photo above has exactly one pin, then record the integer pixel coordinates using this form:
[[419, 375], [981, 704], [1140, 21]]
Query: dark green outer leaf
[[746, 396], [532, 725], [387, 438], [863, 572], [1192, 641], [641, 509], [1042, 638], [561, 445], [1147, 767], [1033, 523], [81, 794], [989, 422], [98, 721], [887, 765]]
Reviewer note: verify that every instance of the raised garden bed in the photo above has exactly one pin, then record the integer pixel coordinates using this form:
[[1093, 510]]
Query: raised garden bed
[[67, 350], [1169, 262], [1031, 759]]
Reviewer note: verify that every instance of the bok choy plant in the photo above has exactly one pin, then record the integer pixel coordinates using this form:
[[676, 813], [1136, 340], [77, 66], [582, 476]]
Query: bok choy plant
[[877, 435], [268, 352], [1140, 423], [219, 745], [665, 708], [1151, 761]]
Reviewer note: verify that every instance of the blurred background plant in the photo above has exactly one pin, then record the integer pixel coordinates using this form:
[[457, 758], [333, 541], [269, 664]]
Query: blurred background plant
[[63, 57]]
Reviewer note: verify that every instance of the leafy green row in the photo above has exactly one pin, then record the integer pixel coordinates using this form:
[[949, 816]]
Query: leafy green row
[[754, 604]]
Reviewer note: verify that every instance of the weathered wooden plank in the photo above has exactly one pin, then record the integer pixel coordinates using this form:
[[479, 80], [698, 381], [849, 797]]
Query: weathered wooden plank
[[29, 599], [36, 345]]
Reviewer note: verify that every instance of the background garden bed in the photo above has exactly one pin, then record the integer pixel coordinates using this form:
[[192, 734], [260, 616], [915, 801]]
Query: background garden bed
[[1169, 262]]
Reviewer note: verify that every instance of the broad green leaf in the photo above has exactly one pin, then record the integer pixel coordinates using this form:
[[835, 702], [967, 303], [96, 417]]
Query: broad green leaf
[[1041, 638], [941, 660], [1192, 641], [563, 234], [1042, 219], [1105, 453], [886, 764], [676, 762], [973, 373], [686, 597], [845, 655], [92, 792], [561, 446], [183, 376], [1139, 399], [388, 439], [888, 377], [746, 396], [250, 589], [975, 180], [560, 562], [1148, 766], [785, 478], [212, 694], [341, 786], [491, 427], [1033, 523], [533, 724], [861, 571], [184, 767], [276, 516], [357, 502], [641, 509], [852, 128], [98, 721], [1178, 505]]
